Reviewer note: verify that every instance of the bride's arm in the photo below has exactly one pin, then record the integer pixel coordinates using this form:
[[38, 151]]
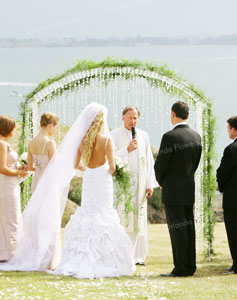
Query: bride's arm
[[78, 159], [110, 155]]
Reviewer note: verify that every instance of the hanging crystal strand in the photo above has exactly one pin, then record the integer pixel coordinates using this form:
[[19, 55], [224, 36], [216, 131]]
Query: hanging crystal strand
[[128, 90], [69, 100], [138, 94], [151, 96], [148, 102], [86, 88], [115, 103], [58, 102], [50, 103], [168, 110], [34, 117], [77, 101], [64, 108], [123, 81], [68, 106], [105, 91], [100, 84], [156, 102], [108, 91], [47, 104], [96, 83], [160, 95], [199, 201], [93, 86], [82, 92], [143, 95], [124, 88], [72, 93], [133, 88], [194, 125], [190, 118]]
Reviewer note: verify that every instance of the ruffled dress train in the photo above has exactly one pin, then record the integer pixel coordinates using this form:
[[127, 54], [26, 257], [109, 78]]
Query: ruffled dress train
[[95, 244]]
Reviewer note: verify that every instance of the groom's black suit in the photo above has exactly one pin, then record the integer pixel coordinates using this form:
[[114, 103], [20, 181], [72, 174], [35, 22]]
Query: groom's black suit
[[227, 183], [176, 163]]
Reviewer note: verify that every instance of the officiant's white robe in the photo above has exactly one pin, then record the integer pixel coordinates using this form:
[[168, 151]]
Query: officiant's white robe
[[141, 163]]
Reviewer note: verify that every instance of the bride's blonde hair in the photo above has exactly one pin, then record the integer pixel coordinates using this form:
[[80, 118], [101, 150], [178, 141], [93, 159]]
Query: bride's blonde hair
[[89, 139]]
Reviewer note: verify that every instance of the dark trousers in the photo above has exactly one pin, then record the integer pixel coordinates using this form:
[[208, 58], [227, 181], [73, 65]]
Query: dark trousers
[[180, 220], [230, 218]]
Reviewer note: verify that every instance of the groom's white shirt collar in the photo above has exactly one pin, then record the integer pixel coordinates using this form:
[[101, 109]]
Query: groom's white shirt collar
[[181, 123]]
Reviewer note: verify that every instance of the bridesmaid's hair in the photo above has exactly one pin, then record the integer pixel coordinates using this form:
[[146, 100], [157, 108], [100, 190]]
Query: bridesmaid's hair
[[7, 124], [48, 118], [131, 107], [180, 109], [89, 138], [232, 122]]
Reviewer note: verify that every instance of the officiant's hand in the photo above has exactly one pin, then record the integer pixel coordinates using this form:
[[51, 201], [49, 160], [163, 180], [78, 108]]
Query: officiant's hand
[[149, 193], [132, 145]]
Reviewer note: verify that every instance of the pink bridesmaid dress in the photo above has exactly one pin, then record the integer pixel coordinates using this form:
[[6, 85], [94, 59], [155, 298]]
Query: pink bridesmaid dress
[[10, 209], [41, 162]]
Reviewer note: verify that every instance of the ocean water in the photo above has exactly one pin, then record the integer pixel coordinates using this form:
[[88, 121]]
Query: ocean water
[[210, 68]]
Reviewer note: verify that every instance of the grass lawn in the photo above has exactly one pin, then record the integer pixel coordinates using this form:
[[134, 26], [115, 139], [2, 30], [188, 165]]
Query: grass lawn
[[207, 283]]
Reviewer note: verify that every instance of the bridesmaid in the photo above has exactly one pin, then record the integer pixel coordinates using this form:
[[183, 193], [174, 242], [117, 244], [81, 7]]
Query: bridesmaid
[[10, 204], [41, 149]]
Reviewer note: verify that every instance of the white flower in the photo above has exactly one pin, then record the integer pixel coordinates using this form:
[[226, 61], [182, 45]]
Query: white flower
[[23, 157], [119, 162]]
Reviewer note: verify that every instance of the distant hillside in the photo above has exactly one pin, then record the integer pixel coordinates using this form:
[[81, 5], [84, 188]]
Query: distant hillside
[[119, 42]]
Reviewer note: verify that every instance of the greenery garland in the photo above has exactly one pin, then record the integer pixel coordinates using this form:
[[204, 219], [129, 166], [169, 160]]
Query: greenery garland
[[208, 176]]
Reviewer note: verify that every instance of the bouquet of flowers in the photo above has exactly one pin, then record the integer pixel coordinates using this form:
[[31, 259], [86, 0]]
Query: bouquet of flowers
[[23, 159], [21, 163], [123, 188]]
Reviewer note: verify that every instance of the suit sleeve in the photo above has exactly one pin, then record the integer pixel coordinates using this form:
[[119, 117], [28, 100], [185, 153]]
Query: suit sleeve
[[162, 160], [225, 169]]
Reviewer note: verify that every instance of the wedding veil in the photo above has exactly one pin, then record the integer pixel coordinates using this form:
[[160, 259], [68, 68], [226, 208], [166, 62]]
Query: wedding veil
[[43, 213]]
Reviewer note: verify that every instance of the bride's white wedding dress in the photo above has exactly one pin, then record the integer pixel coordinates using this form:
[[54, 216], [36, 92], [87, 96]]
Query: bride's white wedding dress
[[95, 244]]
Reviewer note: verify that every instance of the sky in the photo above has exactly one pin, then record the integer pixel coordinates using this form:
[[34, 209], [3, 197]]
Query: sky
[[116, 18]]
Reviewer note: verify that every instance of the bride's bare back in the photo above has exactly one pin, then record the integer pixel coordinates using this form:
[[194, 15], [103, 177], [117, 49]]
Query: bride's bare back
[[102, 149], [98, 156]]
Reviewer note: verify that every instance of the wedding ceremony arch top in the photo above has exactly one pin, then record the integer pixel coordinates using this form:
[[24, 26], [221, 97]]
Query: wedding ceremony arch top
[[117, 83]]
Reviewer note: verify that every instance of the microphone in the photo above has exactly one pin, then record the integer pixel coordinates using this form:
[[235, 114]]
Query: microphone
[[134, 134]]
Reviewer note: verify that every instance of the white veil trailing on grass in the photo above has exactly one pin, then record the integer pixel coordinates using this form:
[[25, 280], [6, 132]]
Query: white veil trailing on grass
[[43, 213]]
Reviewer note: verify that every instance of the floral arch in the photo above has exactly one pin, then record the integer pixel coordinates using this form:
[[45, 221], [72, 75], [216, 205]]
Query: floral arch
[[116, 83]]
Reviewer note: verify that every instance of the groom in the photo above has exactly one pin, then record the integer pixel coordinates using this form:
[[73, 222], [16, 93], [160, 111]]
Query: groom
[[176, 163], [227, 184]]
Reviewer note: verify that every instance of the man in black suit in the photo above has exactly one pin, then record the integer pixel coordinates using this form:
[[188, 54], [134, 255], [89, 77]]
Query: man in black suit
[[177, 160], [227, 184]]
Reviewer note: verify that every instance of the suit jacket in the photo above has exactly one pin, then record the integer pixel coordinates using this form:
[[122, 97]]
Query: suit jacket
[[177, 160], [227, 176]]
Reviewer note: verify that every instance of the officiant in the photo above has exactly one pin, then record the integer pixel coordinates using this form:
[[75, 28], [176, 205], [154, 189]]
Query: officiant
[[132, 145]]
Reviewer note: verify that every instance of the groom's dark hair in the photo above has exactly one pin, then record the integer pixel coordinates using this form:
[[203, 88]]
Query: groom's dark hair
[[232, 122], [180, 109]]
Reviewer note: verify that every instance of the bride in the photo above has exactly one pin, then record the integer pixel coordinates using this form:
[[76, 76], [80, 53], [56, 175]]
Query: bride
[[95, 245]]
